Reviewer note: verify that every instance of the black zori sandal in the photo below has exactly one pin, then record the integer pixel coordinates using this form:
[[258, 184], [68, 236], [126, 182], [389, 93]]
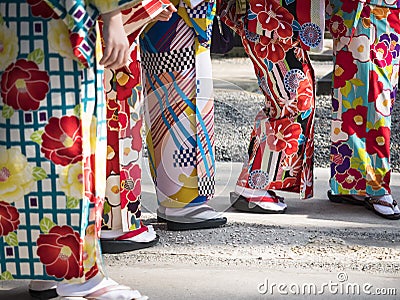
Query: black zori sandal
[[345, 199], [124, 244], [41, 289], [43, 295], [275, 203]]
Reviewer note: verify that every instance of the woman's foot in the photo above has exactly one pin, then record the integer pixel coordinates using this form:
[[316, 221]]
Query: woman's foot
[[200, 216], [257, 201], [384, 206], [117, 241], [98, 287], [42, 289]]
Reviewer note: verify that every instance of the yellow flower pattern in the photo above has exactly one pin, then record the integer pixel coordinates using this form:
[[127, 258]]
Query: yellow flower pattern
[[71, 180], [58, 37], [8, 46], [16, 179]]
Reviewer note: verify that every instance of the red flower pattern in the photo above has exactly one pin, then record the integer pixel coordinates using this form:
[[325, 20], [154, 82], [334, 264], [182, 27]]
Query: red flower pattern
[[366, 16], [336, 26], [356, 121], [352, 178], [116, 119], [301, 55], [92, 272], [379, 181], [381, 54], [112, 163], [345, 68], [9, 218], [305, 94], [292, 164], [378, 141], [59, 250], [130, 184], [62, 140], [76, 42], [273, 17], [386, 181], [126, 81], [310, 148], [285, 184], [283, 136], [349, 6], [271, 49], [23, 85], [376, 86], [394, 20], [137, 136], [40, 8]]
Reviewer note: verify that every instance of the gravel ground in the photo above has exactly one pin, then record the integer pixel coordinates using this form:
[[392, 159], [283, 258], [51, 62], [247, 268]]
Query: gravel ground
[[234, 114], [258, 246]]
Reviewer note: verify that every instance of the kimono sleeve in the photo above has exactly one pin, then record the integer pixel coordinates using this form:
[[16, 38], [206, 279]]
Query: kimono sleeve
[[137, 17]]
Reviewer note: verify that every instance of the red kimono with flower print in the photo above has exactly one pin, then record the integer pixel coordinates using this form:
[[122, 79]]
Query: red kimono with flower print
[[276, 35]]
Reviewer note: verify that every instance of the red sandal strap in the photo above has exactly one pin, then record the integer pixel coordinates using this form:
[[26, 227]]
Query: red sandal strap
[[132, 233], [273, 199]]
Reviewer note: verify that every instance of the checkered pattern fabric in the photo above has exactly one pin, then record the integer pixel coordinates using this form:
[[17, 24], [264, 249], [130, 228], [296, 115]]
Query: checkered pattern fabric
[[206, 186], [175, 60], [198, 12], [184, 157], [209, 32]]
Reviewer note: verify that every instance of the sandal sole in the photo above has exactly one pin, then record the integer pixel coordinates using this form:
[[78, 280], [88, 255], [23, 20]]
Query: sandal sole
[[43, 295], [242, 204], [371, 207], [178, 226], [343, 199], [114, 247]]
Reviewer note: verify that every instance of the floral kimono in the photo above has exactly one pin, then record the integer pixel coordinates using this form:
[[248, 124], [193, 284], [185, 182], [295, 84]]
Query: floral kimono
[[52, 139], [179, 110], [276, 35], [366, 60], [124, 107], [124, 146]]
